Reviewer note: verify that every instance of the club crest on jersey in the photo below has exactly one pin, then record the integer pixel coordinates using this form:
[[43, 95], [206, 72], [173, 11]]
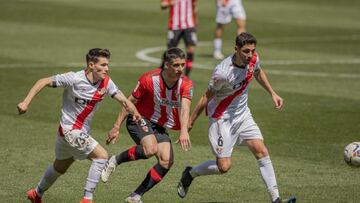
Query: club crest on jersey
[[102, 91]]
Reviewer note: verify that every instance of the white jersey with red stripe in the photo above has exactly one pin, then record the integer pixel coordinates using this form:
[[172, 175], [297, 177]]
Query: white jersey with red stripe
[[157, 102], [182, 15], [230, 85], [81, 98]]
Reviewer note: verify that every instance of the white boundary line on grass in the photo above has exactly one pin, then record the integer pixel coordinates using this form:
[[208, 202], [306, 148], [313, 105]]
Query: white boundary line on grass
[[144, 56]]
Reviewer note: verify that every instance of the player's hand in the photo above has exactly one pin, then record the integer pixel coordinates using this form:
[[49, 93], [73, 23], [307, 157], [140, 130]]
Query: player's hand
[[278, 101], [22, 107], [184, 141], [112, 135], [136, 117]]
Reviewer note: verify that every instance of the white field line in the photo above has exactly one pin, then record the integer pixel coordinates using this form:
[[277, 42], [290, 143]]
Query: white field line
[[143, 55]]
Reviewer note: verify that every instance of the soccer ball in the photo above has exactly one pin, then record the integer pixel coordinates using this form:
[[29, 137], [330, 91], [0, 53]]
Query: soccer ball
[[352, 154]]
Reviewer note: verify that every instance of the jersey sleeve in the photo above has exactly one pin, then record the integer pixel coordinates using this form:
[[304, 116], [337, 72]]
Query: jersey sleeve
[[187, 89], [217, 80], [140, 89], [63, 80], [112, 88]]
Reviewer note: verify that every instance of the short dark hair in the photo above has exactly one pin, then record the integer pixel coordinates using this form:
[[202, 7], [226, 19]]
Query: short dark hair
[[95, 53], [173, 53], [245, 38]]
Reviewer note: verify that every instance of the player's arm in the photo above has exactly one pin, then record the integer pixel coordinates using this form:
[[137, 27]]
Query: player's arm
[[184, 138], [38, 86], [128, 107], [200, 106], [164, 4], [264, 82]]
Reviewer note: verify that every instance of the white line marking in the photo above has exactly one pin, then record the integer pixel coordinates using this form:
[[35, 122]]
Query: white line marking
[[144, 56]]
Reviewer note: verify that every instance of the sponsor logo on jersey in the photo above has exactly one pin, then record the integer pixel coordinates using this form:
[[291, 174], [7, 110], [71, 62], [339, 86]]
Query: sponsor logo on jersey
[[170, 103], [238, 85], [82, 101]]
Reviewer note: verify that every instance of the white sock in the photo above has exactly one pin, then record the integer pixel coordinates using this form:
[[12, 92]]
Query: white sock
[[217, 44], [268, 176], [206, 168], [47, 180], [93, 177]]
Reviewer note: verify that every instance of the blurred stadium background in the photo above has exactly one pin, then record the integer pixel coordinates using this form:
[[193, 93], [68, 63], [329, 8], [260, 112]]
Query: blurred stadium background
[[309, 48]]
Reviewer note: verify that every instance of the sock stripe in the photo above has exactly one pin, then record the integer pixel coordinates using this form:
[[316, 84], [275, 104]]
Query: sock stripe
[[155, 175], [131, 153]]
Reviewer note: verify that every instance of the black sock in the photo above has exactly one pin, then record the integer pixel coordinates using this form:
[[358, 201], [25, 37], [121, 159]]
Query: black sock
[[133, 153], [155, 175], [189, 62]]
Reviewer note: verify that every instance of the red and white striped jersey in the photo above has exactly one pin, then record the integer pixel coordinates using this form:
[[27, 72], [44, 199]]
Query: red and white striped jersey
[[230, 84], [159, 103], [182, 15], [81, 98]]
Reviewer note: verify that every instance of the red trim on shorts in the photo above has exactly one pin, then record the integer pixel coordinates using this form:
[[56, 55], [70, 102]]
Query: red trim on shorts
[[97, 97], [131, 153], [155, 175]]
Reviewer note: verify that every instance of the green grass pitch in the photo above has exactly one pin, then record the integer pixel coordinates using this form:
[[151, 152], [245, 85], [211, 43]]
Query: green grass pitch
[[309, 48]]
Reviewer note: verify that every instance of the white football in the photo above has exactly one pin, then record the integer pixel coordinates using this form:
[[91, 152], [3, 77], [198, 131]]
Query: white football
[[352, 154]]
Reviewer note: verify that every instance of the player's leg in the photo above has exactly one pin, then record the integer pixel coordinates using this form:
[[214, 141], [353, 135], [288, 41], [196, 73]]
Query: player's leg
[[146, 146], [165, 157], [63, 161], [237, 11], [52, 173], [190, 39], [240, 25], [99, 157], [218, 42], [222, 142], [267, 172], [222, 17]]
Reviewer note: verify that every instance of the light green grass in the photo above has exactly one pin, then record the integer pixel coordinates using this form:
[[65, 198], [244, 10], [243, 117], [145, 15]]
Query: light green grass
[[306, 138]]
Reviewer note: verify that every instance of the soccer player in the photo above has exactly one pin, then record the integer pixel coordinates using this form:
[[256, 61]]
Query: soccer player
[[83, 92], [230, 120], [182, 25], [225, 10], [163, 98]]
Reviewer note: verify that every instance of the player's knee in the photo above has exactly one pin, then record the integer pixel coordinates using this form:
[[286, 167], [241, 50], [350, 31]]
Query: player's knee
[[150, 150], [261, 152], [60, 169], [103, 155], [224, 168], [166, 163]]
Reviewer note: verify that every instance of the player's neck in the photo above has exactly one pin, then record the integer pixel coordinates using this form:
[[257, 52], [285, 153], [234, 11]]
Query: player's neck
[[169, 81], [237, 62], [89, 75]]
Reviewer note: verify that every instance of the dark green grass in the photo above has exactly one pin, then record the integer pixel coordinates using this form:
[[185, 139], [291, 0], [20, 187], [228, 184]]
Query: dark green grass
[[306, 138]]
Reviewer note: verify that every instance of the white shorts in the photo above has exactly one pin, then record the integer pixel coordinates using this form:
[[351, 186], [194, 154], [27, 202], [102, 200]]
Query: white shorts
[[75, 143], [224, 133], [234, 9]]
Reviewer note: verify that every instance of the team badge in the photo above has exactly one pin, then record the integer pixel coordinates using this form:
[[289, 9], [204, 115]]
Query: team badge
[[143, 125], [102, 91], [219, 150]]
